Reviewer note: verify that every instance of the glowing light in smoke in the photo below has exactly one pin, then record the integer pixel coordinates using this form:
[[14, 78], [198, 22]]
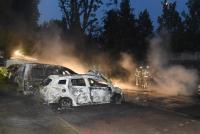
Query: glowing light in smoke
[[124, 85], [18, 54]]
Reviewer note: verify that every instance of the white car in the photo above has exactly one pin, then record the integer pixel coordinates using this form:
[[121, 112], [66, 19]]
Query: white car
[[28, 76], [77, 90]]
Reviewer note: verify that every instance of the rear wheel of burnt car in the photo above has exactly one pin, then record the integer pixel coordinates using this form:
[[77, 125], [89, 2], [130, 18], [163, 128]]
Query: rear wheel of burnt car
[[65, 103], [117, 99]]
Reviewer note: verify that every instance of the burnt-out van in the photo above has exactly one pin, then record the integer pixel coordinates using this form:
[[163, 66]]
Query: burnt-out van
[[2, 61], [30, 75]]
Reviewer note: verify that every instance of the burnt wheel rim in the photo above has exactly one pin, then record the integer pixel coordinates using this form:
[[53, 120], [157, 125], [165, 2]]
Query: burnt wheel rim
[[66, 103]]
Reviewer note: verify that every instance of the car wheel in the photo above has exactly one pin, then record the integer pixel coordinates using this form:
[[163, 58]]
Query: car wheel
[[65, 103], [117, 99]]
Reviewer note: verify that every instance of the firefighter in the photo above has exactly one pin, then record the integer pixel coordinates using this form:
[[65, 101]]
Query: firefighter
[[138, 76], [145, 77]]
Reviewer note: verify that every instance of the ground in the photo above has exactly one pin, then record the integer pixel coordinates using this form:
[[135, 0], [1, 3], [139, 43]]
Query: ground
[[27, 115]]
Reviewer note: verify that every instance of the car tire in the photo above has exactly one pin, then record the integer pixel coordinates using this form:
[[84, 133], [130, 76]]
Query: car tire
[[65, 103], [117, 99]]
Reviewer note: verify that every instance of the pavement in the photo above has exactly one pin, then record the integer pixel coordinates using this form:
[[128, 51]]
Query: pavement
[[129, 119], [26, 115]]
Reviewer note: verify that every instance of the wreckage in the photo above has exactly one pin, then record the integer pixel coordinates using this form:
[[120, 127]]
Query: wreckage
[[29, 76], [60, 85], [79, 89], [2, 61]]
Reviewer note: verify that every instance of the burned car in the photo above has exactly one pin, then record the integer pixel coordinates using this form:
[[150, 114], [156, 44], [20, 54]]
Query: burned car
[[30, 75], [77, 90], [12, 71], [2, 61]]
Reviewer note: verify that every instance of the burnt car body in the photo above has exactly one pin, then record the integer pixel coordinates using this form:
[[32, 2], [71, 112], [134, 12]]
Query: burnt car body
[[30, 75], [13, 65], [2, 61], [78, 90], [12, 71], [12, 62]]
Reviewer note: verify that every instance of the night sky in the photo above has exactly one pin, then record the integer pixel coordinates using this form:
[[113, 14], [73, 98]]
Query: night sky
[[49, 9]]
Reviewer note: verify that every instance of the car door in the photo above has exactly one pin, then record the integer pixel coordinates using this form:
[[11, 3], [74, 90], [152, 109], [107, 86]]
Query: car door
[[100, 93], [56, 90], [80, 91]]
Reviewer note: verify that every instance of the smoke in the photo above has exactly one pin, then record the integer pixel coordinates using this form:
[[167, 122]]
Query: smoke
[[169, 79], [54, 51], [127, 63]]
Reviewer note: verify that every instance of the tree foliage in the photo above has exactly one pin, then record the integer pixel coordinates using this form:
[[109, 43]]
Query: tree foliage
[[193, 18], [145, 24], [18, 20], [127, 26], [170, 18], [170, 21], [192, 26], [19, 13], [80, 15], [123, 32], [119, 28], [111, 31], [145, 28]]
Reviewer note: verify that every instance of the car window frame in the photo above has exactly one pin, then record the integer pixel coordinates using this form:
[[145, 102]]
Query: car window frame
[[78, 85], [62, 80], [100, 85]]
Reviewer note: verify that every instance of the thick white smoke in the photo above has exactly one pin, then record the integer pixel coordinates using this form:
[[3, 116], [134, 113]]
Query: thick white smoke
[[55, 51], [127, 62], [169, 79]]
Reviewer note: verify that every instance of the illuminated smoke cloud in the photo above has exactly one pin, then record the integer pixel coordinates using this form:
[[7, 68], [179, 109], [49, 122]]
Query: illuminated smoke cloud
[[169, 79], [55, 51]]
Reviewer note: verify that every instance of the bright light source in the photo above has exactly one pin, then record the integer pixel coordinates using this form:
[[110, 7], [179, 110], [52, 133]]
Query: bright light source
[[18, 53], [167, 4]]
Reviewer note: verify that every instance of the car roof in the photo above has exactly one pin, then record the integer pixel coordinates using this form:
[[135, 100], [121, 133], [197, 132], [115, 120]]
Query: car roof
[[51, 65], [72, 76]]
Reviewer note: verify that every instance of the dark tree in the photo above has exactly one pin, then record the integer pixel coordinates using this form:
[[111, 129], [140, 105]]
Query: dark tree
[[192, 26], [111, 34], [145, 24], [18, 22], [145, 28], [171, 22], [193, 18], [50, 26], [120, 29], [128, 30], [170, 19], [80, 15], [19, 13]]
